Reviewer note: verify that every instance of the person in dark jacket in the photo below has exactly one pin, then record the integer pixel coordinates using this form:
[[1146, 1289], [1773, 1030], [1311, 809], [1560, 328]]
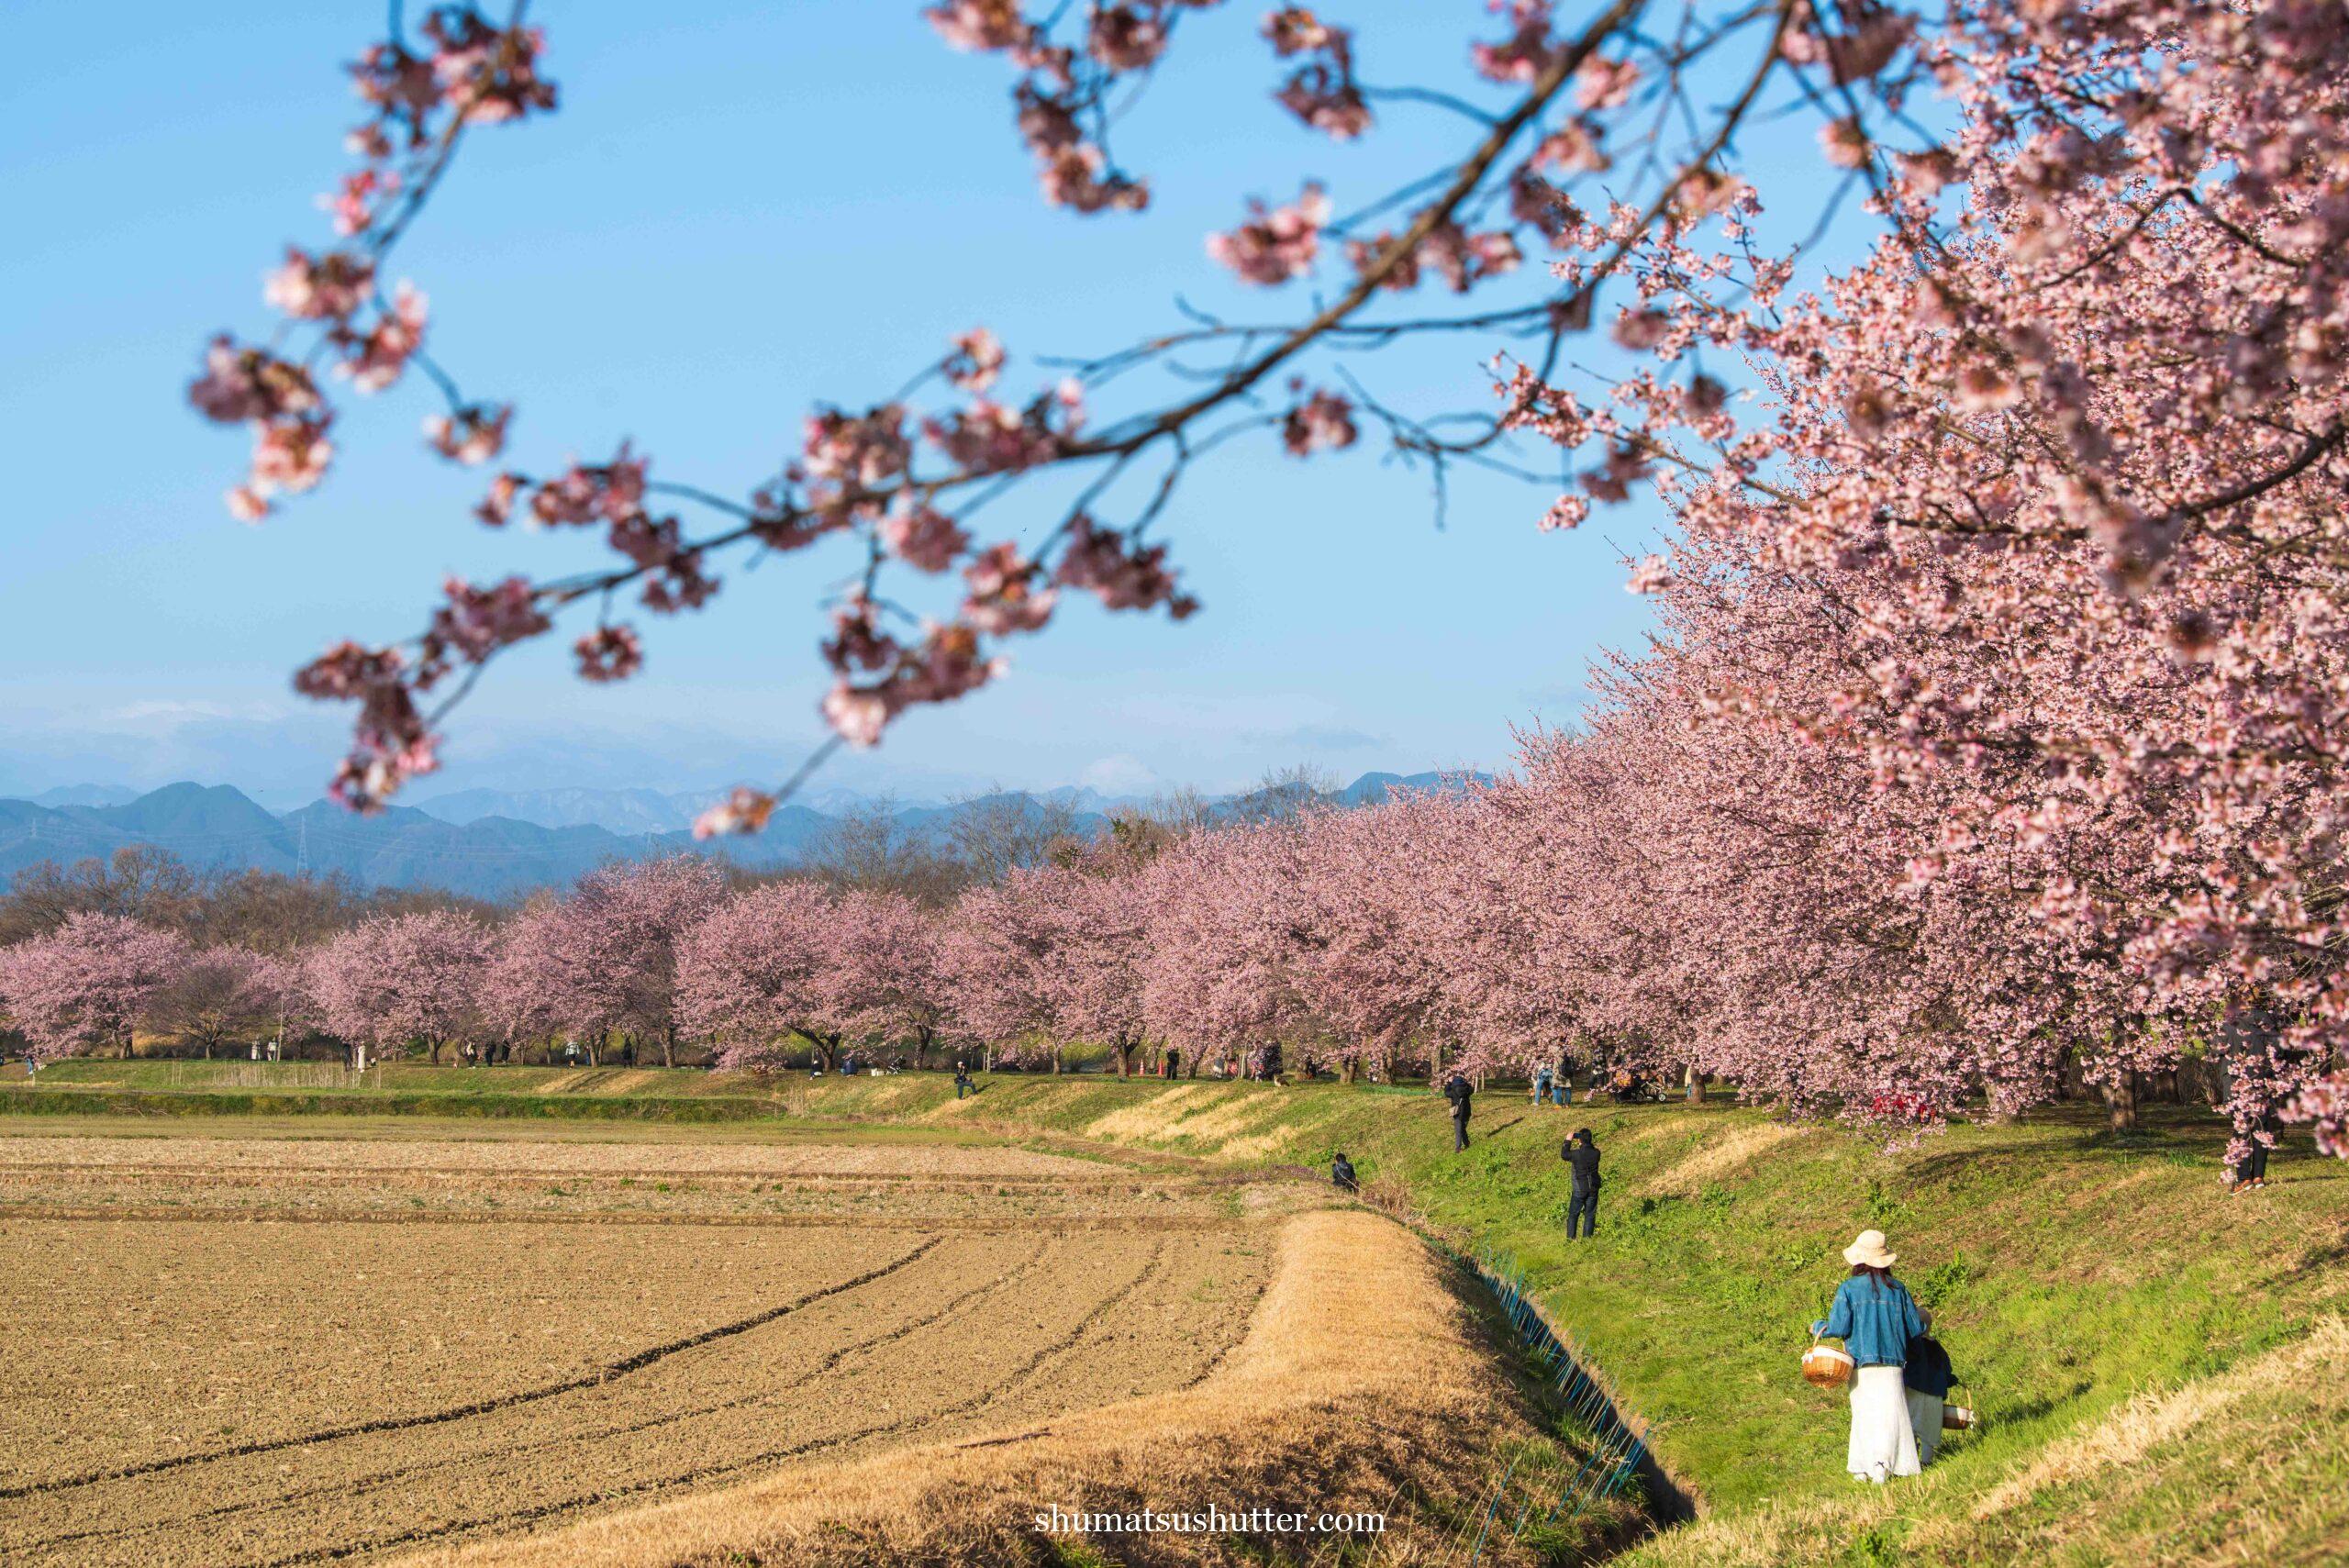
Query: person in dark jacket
[[962, 1080], [1926, 1376], [1456, 1090], [1581, 1155], [1342, 1175]]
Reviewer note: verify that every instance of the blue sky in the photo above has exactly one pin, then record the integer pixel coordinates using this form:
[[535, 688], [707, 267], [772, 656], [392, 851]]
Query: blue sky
[[740, 210]]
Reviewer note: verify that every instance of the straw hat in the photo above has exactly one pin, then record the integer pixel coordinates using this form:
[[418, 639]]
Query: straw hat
[[1870, 1250]]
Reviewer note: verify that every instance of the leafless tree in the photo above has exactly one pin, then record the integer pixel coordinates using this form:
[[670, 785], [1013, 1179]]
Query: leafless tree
[[873, 847], [1000, 832], [1284, 793], [213, 1004], [139, 881]]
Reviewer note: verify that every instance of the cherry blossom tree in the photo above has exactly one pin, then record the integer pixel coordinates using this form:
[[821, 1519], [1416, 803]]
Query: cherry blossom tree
[[604, 960], [85, 985], [998, 950], [1103, 916], [757, 972], [1214, 984], [530, 989], [397, 980], [2052, 530], [886, 978]]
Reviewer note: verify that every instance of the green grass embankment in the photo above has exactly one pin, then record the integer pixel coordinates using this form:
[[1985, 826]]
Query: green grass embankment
[[171, 1088], [2105, 1297]]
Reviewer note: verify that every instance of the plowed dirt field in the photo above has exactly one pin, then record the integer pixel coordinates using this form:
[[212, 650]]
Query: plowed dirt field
[[281, 1350]]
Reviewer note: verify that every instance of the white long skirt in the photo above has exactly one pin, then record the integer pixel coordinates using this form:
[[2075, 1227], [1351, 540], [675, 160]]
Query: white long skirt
[[1925, 1420], [1883, 1442]]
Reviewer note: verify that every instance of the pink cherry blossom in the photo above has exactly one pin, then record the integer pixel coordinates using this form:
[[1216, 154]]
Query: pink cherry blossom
[[745, 810], [977, 360], [921, 536], [399, 980], [980, 24], [1276, 244], [86, 983], [471, 434], [1323, 422], [609, 654], [320, 288]]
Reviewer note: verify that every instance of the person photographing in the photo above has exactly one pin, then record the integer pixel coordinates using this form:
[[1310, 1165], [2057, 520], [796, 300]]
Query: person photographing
[[1581, 1155], [1456, 1090]]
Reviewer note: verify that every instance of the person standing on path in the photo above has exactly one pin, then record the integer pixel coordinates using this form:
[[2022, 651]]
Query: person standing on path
[[1456, 1090], [1581, 1155], [1875, 1317], [2250, 1171]]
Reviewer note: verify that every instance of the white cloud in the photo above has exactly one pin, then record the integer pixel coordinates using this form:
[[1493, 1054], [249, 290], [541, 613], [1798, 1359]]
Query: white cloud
[[1319, 737], [1121, 774], [169, 714]]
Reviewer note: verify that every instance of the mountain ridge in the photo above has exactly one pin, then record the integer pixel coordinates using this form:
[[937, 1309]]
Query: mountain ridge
[[487, 853]]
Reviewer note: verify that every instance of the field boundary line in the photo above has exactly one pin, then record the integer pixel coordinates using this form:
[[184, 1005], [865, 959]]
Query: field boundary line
[[603, 1373], [1073, 1222]]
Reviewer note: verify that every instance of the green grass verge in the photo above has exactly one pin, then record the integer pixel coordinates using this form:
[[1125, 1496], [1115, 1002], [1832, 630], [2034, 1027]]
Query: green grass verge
[[2069, 1269]]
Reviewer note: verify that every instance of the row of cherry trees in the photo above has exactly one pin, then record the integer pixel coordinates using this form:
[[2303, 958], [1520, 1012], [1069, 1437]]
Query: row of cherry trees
[[1666, 891]]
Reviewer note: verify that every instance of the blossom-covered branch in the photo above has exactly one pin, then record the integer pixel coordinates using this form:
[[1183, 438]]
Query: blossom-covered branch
[[1587, 111]]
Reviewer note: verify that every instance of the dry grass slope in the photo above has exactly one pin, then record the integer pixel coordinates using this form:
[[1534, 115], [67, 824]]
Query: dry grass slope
[[1359, 1369]]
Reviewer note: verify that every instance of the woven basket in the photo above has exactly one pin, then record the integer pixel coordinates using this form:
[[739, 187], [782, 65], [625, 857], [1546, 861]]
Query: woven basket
[[1825, 1366]]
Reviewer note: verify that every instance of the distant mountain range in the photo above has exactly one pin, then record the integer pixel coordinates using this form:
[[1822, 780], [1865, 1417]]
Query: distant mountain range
[[485, 843], [627, 811]]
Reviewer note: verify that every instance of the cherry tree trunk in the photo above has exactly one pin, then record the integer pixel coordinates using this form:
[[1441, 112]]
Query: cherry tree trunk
[[669, 1046], [1348, 1071], [2121, 1102], [1696, 1085], [821, 1047]]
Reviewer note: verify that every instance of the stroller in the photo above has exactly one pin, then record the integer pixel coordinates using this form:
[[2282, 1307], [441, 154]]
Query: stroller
[[1626, 1087]]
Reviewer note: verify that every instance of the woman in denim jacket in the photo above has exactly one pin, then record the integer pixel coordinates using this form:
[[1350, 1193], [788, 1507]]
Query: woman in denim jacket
[[1875, 1317]]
